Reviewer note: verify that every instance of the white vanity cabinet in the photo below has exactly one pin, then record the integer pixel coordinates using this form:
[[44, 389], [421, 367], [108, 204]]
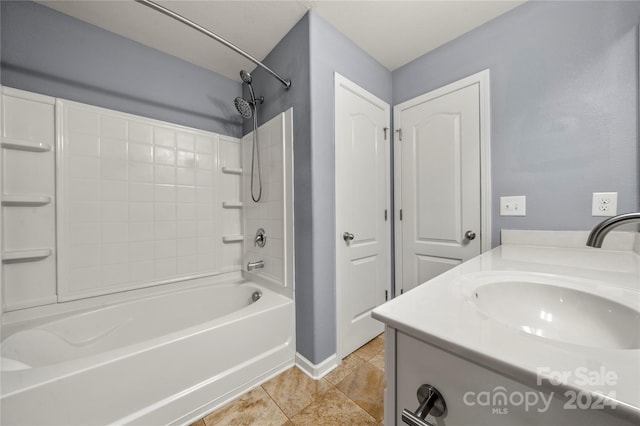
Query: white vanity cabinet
[[475, 395], [539, 331]]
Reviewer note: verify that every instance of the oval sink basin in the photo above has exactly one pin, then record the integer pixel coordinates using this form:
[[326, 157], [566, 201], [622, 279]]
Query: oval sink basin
[[560, 314]]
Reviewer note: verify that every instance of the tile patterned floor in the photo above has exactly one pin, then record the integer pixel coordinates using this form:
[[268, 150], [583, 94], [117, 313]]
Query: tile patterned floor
[[352, 394]]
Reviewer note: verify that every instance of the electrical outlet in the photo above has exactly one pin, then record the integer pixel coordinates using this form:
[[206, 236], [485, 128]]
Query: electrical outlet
[[604, 204], [513, 206]]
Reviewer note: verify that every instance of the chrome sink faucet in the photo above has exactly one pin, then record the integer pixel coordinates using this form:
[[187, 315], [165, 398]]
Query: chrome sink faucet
[[596, 237]]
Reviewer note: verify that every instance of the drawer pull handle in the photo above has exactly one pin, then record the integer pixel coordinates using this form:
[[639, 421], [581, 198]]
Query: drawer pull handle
[[431, 402]]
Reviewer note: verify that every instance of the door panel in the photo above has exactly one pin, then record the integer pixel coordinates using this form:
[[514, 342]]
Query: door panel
[[430, 266], [440, 183], [362, 196]]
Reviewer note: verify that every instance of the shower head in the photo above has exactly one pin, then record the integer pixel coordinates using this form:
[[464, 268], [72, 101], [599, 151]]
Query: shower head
[[244, 107], [245, 76]]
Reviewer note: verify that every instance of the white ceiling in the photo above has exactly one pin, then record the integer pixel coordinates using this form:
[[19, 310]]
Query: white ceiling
[[394, 32]]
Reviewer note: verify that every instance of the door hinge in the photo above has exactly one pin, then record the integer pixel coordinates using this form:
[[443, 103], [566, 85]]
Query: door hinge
[[385, 132], [401, 290], [399, 132], [386, 295], [400, 214], [385, 215]]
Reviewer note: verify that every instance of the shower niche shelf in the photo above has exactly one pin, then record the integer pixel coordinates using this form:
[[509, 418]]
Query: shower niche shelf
[[232, 238], [232, 204], [22, 200], [232, 170], [30, 255], [22, 145]]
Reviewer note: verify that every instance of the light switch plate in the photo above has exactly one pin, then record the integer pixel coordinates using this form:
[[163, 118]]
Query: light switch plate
[[604, 204], [513, 206]]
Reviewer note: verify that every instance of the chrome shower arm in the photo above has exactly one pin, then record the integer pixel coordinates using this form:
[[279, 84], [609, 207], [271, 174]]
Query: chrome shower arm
[[203, 30]]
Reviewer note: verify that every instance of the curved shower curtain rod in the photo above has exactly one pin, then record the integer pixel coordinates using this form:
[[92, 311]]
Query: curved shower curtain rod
[[177, 17]]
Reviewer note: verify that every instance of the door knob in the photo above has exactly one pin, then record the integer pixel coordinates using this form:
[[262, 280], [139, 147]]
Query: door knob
[[470, 235], [347, 236]]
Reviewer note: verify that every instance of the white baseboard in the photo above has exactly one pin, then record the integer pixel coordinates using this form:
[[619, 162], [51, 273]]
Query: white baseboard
[[316, 371]]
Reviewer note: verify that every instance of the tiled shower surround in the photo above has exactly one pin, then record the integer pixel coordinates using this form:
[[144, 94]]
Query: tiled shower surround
[[142, 202], [271, 212]]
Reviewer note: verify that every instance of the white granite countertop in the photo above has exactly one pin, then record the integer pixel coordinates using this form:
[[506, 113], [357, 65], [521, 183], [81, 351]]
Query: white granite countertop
[[442, 313]]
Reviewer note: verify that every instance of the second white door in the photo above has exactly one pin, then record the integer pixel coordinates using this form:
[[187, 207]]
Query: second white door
[[440, 183], [362, 208]]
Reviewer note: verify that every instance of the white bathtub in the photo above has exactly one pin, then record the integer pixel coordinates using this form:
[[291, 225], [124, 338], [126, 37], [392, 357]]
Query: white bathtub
[[165, 359]]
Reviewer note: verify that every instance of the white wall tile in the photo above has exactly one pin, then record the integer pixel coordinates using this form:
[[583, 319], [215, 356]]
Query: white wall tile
[[139, 192], [140, 231], [186, 265], [114, 169], [141, 271], [139, 132], [204, 144], [165, 249], [164, 211], [139, 251], [85, 234], [165, 268], [82, 144], [142, 153], [186, 159], [186, 229], [165, 156], [187, 247], [115, 211], [164, 174], [113, 148], [164, 194], [116, 232], [115, 274], [84, 167], [186, 142], [186, 176], [165, 230], [84, 190], [80, 212], [115, 253], [186, 211], [164, 137], [141, 212], [83, 121], [112, 190], [145, 196], [111, 127], [185, 194]]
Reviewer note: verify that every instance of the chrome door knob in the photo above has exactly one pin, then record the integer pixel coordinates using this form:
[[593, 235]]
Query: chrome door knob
[[347, 236], [470, 235]]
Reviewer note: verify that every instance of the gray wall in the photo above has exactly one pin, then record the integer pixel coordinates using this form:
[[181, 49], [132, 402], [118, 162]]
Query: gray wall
[[312, 98], [564, 87], [331, 52], [290, 59], [47, 52]]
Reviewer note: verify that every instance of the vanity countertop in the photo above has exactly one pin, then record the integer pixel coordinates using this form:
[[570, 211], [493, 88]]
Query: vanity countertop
[[442, 312]]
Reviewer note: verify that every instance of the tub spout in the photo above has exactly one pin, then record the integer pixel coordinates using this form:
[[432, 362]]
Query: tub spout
[[255, 265], [603, 228]]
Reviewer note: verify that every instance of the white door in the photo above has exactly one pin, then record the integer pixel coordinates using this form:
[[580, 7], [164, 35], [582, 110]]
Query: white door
[[439, 181], [362, 202]]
